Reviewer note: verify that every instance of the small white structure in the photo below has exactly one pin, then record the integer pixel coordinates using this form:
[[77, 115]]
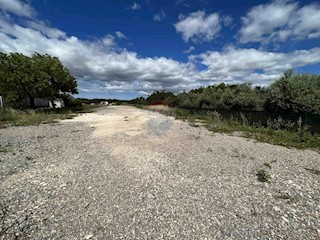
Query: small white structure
[[104, 103], [41, 102]]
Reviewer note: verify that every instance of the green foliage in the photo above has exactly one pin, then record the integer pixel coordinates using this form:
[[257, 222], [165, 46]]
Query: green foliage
[[278, 136], [161, 97], [223, 97], [298, 93], [23, 79], [268, 165], [263, 176], [13, 117], [3, 149]]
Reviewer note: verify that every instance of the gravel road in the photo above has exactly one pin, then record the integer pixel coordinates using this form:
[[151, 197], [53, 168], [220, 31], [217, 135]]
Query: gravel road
[[126, 173]]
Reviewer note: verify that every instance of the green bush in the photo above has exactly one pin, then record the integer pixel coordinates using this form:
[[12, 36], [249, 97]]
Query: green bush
[[299, 93]]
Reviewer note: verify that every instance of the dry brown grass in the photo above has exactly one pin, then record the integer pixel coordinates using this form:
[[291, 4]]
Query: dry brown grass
[[159, 108]]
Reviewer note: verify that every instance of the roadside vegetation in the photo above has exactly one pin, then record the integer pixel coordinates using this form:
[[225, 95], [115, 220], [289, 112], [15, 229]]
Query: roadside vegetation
[[292, 93], [23, 79], [13, 117]]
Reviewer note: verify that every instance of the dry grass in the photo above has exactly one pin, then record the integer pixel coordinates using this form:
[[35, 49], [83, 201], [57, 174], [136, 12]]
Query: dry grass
[[158, 108]]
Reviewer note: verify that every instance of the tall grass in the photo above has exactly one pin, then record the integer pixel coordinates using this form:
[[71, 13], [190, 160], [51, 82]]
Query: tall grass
[[11, 117], [277, 132]]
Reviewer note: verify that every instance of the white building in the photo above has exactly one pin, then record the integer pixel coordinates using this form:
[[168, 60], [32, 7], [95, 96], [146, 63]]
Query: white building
[[41, 102]]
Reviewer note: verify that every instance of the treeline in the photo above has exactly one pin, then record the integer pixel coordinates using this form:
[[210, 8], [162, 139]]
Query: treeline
[[23, 79], [298, 93]]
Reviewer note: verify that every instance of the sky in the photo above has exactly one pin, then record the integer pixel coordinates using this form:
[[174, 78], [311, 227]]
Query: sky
[[125, 49]]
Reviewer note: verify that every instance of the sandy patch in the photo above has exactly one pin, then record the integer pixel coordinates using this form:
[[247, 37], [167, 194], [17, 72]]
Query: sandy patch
[[128, 121]]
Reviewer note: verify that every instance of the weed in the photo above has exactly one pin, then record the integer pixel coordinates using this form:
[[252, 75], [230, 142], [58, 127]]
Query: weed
[[263, 176], [194, 125], [3, 149], [11, 117], [278, 132], [267, 165]]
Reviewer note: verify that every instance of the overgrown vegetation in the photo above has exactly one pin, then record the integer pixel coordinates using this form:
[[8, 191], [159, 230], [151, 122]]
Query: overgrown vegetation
[[292, 93], [297, 138], [23, 79], [297, 93], [12, 117]]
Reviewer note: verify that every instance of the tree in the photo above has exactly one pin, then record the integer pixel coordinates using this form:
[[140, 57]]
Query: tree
[[298, 93], [50, 70], [17, 78], [39, 76], [161, 97]]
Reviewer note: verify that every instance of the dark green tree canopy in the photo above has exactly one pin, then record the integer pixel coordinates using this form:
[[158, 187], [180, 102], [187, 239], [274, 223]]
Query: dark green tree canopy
[[39, 76], [298, 93]]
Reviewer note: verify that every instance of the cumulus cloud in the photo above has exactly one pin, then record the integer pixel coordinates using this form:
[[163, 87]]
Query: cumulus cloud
[[101, 66], [108, 41], [17, 7], [46, 30], [159, 16], [198, 26], [135, 6], [191, 49], [97, 60], [280, 20], [242, 64]]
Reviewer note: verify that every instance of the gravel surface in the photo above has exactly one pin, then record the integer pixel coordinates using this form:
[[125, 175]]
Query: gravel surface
[[126, 173]]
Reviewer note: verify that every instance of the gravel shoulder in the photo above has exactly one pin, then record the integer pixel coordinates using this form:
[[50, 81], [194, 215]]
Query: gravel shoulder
[[127, 173]]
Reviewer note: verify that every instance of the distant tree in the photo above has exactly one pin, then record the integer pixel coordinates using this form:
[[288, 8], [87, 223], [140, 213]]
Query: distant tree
[[161, 97]]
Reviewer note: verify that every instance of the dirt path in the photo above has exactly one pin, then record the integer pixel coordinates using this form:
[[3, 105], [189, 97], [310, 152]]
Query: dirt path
[[126, 173]]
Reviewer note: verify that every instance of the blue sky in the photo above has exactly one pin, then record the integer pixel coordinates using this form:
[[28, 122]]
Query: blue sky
[[124, 49]]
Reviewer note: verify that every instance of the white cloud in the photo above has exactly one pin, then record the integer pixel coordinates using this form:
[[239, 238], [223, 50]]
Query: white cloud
[[120, 35], [97, 60], [135, 6], [191, 49], [108, 41], [17, 7], [242, 64], [45, 30], [280, 20], [159, 16], [100, 66], [198, 26]]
